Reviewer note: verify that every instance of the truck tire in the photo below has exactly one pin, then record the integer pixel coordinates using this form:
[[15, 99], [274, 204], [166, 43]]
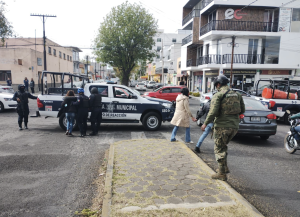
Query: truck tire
[[151, 121], [63, 123], [286, 116]]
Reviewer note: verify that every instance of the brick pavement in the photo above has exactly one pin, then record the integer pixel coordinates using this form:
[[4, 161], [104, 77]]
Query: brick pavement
[[154, 177]]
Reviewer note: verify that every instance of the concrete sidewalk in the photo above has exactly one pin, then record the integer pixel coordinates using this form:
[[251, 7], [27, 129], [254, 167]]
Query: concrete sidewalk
[[152, 177]]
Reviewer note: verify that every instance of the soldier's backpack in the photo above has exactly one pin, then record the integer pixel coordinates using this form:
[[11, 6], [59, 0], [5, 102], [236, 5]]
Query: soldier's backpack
[[231, 106]]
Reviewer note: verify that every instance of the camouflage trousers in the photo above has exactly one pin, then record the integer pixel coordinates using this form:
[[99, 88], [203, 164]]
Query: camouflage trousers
[[222, 137]]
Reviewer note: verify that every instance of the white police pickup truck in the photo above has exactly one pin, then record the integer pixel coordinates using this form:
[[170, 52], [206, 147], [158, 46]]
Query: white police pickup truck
[[280, 106], [120, 104]]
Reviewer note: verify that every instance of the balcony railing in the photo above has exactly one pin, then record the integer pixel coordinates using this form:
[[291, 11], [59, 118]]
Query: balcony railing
[[226, 25], [243, 59], [187, 39], [189, 63], [209, 59], [191, 15]]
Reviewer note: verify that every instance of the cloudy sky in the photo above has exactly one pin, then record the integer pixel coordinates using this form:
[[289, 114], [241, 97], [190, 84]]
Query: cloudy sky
[[77, 22]]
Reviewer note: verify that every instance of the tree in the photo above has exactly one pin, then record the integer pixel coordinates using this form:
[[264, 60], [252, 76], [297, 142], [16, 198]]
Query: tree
[[125, 37], [6, 28]]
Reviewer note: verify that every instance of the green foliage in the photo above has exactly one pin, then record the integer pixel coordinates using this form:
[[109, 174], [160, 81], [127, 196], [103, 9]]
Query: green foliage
[[125, 38], [191, 93], [6, 29], [196, 94]]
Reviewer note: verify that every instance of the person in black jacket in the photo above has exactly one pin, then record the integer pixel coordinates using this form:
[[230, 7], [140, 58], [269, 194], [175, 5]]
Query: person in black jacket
[[21, 96], [83, 111], [202, 114], [70, 110], [96, 110]]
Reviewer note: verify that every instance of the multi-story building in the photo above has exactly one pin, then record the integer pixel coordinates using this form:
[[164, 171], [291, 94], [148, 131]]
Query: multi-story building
[[265, 35], [76, 60], [23, 57], [163, 41]]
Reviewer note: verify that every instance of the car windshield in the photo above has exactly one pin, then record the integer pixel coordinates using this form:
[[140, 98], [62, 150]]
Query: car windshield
[[136, 92], [158, 89], [251, 104]]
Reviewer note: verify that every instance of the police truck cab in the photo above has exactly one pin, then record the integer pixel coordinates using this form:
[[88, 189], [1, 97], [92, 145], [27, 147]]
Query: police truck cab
[[120, 104]]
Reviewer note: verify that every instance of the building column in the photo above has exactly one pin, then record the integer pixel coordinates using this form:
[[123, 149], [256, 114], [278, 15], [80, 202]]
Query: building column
[[293, 72], [203, 82], [257, 76]]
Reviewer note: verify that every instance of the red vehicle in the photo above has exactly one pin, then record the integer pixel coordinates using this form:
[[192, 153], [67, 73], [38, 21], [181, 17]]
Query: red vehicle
[[169, 93]]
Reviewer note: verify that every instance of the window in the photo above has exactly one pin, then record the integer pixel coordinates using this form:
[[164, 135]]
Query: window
[[103, 90], [120, 92], [199, 51], [179, 64], [270, 50], [71, 59], [174, 40], [4, 75], [20, 61], [166, 90], [296, 14], [252, 51], [158, 39], [54, 52], [158, 48], [64, 56], [49, 50], [207, 49], [39, 62], [176, 90], [68, 57], [59, 54]]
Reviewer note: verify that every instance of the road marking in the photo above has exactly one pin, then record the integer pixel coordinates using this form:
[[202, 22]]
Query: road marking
[[138, 135]]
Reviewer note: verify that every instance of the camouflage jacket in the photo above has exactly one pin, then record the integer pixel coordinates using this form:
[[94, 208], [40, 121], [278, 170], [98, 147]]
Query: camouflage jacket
[[225, 114]]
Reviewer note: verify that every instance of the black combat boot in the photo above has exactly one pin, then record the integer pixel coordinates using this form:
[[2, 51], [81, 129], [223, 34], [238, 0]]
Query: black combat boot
[[26, 126], [20, 126], [197, 150]]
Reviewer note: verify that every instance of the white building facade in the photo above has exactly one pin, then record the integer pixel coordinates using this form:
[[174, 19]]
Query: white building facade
[[266, 35]]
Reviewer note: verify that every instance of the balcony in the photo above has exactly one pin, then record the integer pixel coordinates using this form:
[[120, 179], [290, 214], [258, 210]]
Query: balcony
[[225, 25], [189, 63], [187, 39], [204, 3], [209, 59], [194, 13]]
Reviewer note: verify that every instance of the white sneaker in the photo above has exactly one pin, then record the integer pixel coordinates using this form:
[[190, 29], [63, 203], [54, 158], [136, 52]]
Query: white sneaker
[[191, 142]]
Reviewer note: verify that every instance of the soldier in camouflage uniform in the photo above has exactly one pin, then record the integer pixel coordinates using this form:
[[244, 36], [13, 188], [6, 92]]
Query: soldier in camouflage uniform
[[226, 106]]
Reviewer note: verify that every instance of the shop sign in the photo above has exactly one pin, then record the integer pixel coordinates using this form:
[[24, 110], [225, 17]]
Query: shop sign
[[284, 20], [275, 72], [211, 73], [240, 72], [237, 14], [198, 73]]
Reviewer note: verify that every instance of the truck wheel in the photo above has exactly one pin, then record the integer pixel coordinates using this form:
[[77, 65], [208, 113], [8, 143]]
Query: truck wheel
[[151, 121], [286, 116], [63, 123], [1, 107]]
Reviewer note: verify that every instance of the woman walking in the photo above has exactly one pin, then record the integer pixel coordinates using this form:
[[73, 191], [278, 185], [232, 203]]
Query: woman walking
[[32, 85], [70, 110], [181, 116]]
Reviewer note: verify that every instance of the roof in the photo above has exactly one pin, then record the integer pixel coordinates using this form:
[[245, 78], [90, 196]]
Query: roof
[[76, 49]]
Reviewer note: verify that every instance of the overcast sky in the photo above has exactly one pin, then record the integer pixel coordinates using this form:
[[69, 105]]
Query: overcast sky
[[77, 22]]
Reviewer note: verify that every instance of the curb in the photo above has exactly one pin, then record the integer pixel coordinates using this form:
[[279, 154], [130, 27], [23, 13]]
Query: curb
[[253, 211], [108, 183]]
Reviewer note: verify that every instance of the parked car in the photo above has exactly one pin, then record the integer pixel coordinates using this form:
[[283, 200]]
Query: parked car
[[145, 82], [256, 121], [140, 86], [133, 83], [6, 89], [169, 93], [157, 85], [150, 84], [6, 101]]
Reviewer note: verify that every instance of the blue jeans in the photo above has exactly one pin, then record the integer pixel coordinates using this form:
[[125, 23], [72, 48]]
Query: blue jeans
[[297, 129], [187, 134], [204, 134], [70, 121]]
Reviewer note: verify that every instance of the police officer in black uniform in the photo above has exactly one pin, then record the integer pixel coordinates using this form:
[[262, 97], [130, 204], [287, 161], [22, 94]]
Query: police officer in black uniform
[[21, 96], [96, 109], [83, 111]]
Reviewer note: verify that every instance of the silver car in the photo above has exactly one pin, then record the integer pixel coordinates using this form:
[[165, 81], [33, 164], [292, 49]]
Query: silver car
[[6, 89]]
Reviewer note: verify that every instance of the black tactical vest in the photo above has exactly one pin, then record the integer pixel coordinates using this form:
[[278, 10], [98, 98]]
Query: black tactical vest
[[85, 102], [97, 101], [23, 97]]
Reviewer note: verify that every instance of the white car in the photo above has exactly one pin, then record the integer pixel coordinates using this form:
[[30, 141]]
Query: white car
[[6, 89], [150, 84], [140, 86], [6, 101]]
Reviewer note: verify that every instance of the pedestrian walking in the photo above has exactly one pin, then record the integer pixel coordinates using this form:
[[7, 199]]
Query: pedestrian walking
[[21, 96], [26, 82], [8, 82], [226, 106], [181, 116], [69, 110], [82, 104], [32, 85], [202, 115], [96, 110]]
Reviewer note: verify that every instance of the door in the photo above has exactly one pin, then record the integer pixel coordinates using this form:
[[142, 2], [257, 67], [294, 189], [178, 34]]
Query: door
[[175, 91], [252, 51], [165, 93]]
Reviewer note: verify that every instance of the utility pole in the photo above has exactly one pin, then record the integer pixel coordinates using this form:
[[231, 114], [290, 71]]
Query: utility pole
[[87, 65], [44, 37], [162, 59], [232, 53]]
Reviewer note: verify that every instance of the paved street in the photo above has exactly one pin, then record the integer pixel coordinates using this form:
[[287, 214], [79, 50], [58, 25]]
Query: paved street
[[45, 173]]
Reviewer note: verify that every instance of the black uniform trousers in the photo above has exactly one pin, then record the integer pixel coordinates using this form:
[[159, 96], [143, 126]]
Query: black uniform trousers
[[82, 116], [23, 113], [96, 118]]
